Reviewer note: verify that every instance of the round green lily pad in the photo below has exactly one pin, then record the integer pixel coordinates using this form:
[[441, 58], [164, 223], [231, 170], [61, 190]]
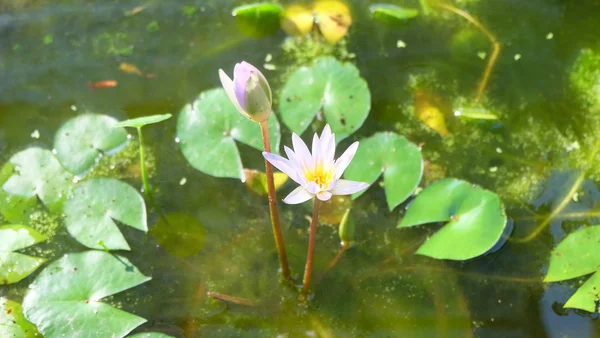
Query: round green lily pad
[[392, 155], [65, 298], [81, 141], [181, 235], [208, 128], [12, 322], [475, 219], [94, 206], [258, 20], [142, 121], [328, 86], [15, 266]]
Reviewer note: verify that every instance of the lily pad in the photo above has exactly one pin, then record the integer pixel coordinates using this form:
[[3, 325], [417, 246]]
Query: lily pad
[[392, 155], [142, 121], [181, 235], [36, 172], [256, 181], [65, 298], [392, 14], [208, 128], [12, 321], [574, 257], [82, 140], [475, 216], [330, 87], [259, 19], [15, 266], [95, 204]]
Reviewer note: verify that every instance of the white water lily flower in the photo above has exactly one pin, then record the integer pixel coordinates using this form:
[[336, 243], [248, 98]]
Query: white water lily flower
[[318, 174]]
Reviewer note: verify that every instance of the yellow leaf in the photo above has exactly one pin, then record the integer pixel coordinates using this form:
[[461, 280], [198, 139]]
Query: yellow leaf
[[256, 181], [430, 112], [297, 20], [333, 18]]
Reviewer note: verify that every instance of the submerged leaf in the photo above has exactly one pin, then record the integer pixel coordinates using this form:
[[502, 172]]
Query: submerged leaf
[[208, 128], [430, 111], [297, 20], [392, 14], [256, 181], [15, 266], [82, 140], [333, 18], [65, 298], [181, 235], [12, 322], [142, 121], [329, 86], [259, 19], [95, 204], [392, 155], [475, 216]]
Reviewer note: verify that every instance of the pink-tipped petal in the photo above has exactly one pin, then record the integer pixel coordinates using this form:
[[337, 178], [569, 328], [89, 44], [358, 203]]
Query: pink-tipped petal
[[324, 195], [228, 86], [282, 164], [345, 187], [342, 163], [299, 195]]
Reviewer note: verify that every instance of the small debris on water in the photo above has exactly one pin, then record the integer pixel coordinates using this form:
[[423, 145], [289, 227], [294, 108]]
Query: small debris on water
[[183, 181], [517, 57], [549, 36], [35, 134], [400, 44]]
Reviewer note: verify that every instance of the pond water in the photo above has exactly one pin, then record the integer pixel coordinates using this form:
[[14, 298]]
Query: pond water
[[539, 155]]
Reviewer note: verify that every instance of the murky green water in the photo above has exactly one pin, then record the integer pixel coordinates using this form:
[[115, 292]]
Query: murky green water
[[545, 138]]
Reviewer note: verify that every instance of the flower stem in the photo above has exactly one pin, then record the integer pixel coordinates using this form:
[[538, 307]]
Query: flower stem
[[285, 270], [311, 249], [143, 163]]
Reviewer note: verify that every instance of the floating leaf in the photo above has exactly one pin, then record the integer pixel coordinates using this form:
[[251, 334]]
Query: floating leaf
[[94, 205], [476, 113], [333, 18], [259, 19], [16, 209], [256, 181], [180, 234], [475, 216], [15, 266], [12, 322], [329, 86], [431, 111], [142, 121], [392, 14], [391, 154], [82, 140], [297, 20], [65, 298], [150, 335], [208, 128], [38, 173], [575, 255]]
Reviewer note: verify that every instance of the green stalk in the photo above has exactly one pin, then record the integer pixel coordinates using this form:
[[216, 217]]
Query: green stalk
[[311, 249]]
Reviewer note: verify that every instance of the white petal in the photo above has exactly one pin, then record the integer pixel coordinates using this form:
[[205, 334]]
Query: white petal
[[324, 195], [342, 163], [297, 196], [345, 187], [328, 150], [302, 153], [293, 159], [312, 187], [282, 164], [228, 86], [316, 149]]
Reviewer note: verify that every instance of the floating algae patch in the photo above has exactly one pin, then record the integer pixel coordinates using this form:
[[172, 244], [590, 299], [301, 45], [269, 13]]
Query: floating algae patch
[[585, 78], [302, 50], [126, 163]]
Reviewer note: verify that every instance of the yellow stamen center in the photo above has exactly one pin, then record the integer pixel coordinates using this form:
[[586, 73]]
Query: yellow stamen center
[[321, 176]]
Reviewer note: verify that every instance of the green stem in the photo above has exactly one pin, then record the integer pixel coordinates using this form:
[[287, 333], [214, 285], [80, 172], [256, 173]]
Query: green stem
[[311, 249], [143, 163], [283, 262]]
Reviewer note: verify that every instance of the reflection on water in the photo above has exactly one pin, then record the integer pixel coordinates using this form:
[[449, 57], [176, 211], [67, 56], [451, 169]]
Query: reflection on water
[[540, 147]]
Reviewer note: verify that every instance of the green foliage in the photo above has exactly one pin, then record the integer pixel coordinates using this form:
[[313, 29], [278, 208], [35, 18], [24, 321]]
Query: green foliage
[[208, 128], [330, 87], [259, 19], [15, 266], [65, 298], [396, 158], [12, 322], [585, 77], [152, 27], [142, 121], [82, 140], [14, 208], [150, 335], [95, 204], [181, 235], [392, 14], [576, 256], [475, 216]]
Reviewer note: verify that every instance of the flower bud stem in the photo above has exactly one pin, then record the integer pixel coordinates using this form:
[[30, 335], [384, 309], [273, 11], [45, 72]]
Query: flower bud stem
[[311, 249], [285, 270]]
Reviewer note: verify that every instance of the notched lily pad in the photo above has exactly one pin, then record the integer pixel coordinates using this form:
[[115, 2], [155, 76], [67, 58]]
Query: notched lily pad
[[392, 155], [475, 219], [36, 172], [65, 298], [95, 204], [181, 235], [82, 140], [15, 266], [208, 128], [330, 87], [143, 121], [258, 20], [12, 322]]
